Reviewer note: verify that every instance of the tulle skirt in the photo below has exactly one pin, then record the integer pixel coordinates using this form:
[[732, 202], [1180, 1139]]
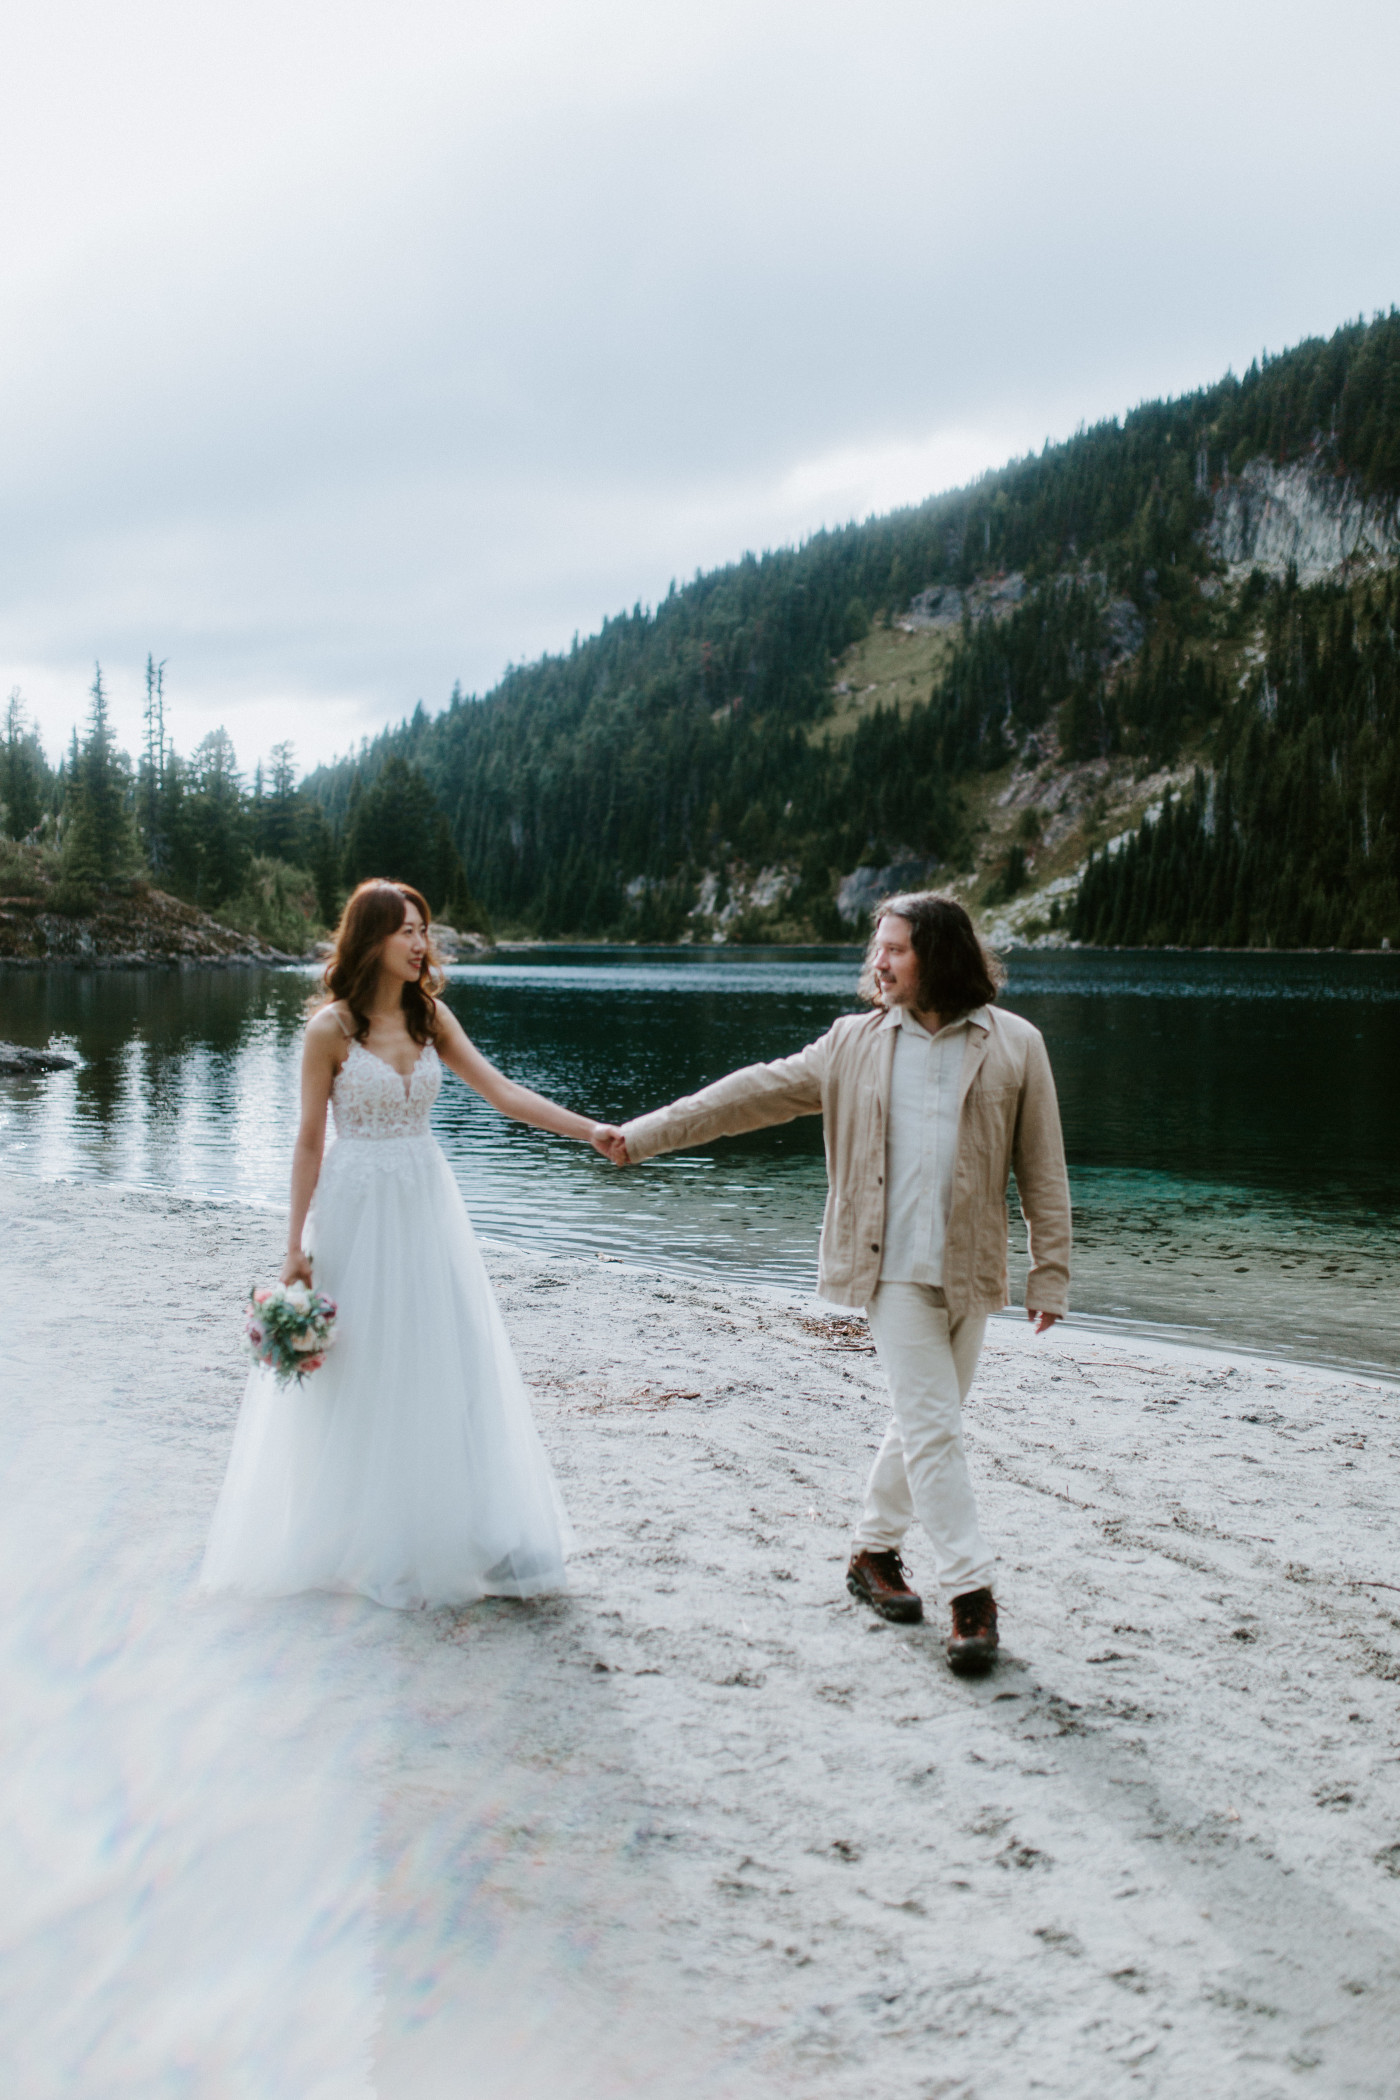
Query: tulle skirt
[[409, 1467]]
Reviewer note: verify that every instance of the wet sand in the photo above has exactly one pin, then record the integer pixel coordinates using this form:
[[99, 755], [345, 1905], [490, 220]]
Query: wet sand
[[702, 1827]]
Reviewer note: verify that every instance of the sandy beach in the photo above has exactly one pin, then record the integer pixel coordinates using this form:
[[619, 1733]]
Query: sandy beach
[[703, 1827]]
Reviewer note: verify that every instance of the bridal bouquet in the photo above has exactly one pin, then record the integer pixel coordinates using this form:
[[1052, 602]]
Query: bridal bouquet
[[289, 1329]]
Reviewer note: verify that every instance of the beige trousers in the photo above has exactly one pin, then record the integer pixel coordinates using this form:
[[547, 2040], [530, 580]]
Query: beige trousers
[[920, 1469]]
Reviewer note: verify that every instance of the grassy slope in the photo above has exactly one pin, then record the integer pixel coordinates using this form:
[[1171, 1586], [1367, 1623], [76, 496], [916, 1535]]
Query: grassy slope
[[892, 667]]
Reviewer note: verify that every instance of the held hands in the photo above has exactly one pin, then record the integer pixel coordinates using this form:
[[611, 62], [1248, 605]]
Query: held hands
[[297, 1269], [1042, 1321], [607, 1138]]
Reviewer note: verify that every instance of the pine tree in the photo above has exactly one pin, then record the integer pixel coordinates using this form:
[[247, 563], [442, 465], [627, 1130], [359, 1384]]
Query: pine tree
[[396, 830], [99, 844], [23, 773], [150, 796], [218, 822], [278, 818], [322, 857]]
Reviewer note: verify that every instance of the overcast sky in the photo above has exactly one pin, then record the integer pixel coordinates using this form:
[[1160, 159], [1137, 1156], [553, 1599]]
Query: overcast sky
[[353, 348]]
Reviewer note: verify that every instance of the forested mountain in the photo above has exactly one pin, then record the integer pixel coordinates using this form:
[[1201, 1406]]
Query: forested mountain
[[674, 755], [1139, 687]]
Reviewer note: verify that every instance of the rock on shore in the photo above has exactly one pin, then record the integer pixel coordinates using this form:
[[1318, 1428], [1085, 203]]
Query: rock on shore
[[703, 1827]]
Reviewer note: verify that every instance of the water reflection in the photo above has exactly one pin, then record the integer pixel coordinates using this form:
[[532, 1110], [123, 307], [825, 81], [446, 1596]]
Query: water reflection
[[1232, 1123]]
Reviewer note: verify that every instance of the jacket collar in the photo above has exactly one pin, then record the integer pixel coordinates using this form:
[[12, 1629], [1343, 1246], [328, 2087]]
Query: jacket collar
[[979, 1035], [978, 1018]]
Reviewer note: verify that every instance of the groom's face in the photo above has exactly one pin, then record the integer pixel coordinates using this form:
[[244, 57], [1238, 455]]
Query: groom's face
[[896, 966]]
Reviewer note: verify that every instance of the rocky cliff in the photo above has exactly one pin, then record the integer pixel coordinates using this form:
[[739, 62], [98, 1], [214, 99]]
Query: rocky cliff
[[1270, 515]]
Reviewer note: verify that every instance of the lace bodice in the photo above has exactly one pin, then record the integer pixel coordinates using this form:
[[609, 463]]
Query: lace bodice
[[370, 1100]]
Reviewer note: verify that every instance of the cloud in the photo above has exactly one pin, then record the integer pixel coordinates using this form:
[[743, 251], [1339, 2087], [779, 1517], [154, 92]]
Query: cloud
[[355, 349]]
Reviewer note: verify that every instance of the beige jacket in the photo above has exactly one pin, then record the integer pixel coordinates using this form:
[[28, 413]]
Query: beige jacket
[[1008, 1122]]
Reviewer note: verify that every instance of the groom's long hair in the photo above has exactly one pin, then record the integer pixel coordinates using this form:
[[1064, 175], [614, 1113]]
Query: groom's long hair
[[957, 970], [376, 909]]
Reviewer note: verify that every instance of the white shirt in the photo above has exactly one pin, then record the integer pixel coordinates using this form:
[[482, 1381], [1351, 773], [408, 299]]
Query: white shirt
[[921, 1141]]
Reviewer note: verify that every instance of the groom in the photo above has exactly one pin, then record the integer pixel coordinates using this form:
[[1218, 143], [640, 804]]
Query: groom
[[929, 1102]]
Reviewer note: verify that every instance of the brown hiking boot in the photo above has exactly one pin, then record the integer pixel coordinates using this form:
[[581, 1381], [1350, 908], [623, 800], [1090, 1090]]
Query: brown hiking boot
[[876, 1576], [972, 1644]]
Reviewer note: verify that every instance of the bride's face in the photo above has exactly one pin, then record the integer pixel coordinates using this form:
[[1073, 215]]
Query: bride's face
[[402, 955]]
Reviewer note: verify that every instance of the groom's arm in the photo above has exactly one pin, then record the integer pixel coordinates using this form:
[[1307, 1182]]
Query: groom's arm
[[743, 1100], [1042, 1183]]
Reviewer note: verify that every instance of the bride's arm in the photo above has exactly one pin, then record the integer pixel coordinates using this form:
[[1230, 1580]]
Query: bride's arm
[[460, 1054], [320, 1059]]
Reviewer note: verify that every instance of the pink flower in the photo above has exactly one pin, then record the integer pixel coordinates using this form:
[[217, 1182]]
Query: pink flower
[[255, 1334], [261, 1295], [313, 1363]]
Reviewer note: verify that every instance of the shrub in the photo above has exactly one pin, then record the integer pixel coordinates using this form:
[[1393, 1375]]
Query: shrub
[[25, 871], [278, 903]]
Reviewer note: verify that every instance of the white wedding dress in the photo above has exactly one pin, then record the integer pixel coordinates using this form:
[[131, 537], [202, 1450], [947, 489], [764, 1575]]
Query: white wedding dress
[[408, 1467]]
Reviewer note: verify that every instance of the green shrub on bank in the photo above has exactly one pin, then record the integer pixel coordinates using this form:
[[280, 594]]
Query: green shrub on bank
[[278, 903], [26, 870], [30, 869]]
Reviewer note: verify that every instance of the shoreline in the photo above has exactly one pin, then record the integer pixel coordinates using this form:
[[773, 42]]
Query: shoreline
[[84, 965], [274, 959], [856, 944], [701, 1825], [1130, 1330]]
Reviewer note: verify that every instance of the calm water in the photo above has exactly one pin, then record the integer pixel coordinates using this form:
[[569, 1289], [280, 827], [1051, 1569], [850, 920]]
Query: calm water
[[1232, 1122]]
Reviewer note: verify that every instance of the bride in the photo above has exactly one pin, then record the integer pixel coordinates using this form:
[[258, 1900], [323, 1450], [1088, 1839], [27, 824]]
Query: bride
[[409, 1467]]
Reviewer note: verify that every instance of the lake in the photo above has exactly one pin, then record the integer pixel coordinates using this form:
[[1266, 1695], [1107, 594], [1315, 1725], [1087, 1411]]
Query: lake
[[1232, 1121]]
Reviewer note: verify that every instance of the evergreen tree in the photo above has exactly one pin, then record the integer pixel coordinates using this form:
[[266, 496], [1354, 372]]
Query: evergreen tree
[[99, 842], [320, 854], [24, 773], [397, 830], [150, 788], [277, 815], [217, 826]]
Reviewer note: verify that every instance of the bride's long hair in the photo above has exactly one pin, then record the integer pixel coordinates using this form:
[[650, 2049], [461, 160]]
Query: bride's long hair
[[376, 909]]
